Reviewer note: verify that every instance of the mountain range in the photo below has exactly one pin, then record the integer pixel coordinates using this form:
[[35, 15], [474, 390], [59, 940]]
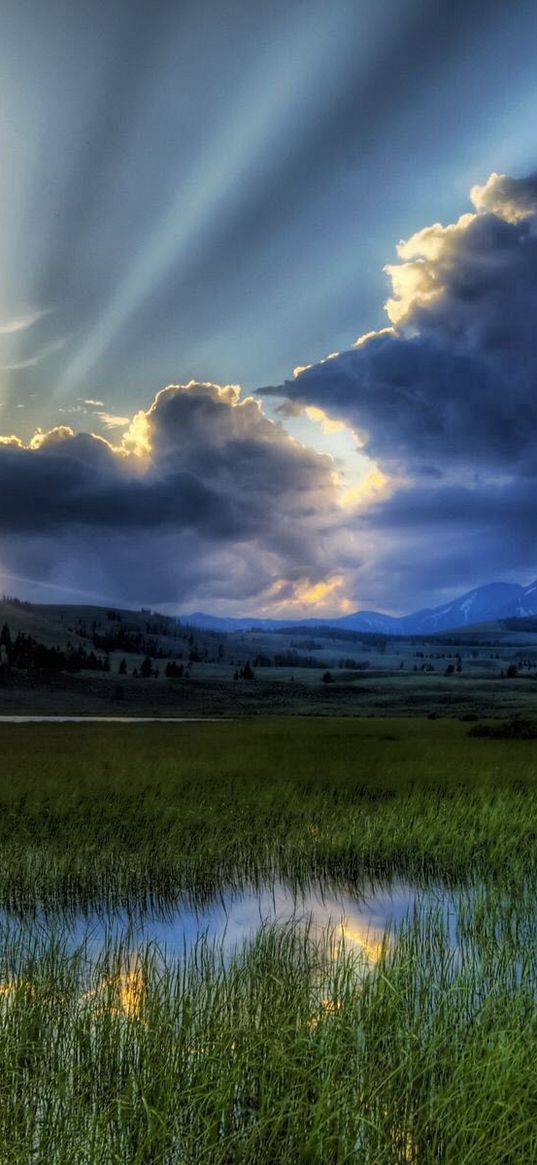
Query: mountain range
[[497, 600]]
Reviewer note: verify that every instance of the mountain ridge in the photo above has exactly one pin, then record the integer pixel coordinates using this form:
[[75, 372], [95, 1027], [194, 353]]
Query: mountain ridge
[[492, 601]]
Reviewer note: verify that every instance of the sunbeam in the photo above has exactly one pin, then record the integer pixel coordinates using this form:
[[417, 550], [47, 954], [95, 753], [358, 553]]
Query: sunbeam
[[294, 71]]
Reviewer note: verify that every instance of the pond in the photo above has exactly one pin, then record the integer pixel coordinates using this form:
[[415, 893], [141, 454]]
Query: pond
[[359, 919]]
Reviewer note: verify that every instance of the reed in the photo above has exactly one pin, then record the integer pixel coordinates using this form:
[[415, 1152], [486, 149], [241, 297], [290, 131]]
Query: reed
[[116, 816], [303, 1047], [295, 1050]]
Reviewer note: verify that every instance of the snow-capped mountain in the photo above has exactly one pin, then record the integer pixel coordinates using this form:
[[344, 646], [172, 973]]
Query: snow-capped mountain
[[482, 605]]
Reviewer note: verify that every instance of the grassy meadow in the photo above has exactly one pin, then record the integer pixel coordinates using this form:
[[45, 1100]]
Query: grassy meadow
[[300, 1047], [487, 671]]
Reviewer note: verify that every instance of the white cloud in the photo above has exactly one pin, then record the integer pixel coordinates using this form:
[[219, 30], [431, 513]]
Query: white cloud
[[113, 422], [9, 325], [37, 358]]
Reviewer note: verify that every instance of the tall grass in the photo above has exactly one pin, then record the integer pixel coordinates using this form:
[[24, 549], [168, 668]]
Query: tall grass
[[123, 815], [298, 1050], [295, 1051]]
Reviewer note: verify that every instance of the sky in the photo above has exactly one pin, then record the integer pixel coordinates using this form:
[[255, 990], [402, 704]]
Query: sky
[[200, 203]]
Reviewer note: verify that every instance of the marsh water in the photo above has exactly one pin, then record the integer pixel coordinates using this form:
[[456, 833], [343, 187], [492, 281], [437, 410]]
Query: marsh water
[[360, 919]]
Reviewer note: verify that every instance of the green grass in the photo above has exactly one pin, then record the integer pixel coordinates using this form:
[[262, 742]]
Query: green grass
[[115, 813], [285, 1055], [212, 692], [296, 1050]]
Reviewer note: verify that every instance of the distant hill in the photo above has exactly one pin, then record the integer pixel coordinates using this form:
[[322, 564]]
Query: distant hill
[[44, 623], [231, 625], [55, 623], [52, 624], [486, 604]]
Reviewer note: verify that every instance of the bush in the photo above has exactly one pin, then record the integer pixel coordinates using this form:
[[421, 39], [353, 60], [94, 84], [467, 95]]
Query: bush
[[514, 729]]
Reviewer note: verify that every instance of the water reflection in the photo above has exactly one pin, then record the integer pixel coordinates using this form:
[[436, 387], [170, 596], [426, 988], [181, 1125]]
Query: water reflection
[[122, 993], [363, 919], [118, 944]]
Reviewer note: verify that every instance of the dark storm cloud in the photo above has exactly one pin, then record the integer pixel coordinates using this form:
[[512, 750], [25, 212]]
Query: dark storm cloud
[[438, 543], [204, 489], [452, 383], [206, 500], [445, 401], [70, 493], [484, 503]]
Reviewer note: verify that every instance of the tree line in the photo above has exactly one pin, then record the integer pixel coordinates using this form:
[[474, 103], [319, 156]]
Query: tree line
[[26, 653]]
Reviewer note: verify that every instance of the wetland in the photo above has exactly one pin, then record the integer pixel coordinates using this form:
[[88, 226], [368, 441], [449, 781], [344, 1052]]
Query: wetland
[[273, 940]]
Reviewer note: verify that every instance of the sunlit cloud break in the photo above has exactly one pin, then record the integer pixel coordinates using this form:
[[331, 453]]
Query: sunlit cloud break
[[201, 492], [201, 498], [112, 422]]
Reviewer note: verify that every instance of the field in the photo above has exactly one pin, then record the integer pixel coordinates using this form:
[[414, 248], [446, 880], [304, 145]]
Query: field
[[373, 694], [306, 1045], [487, 672]]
